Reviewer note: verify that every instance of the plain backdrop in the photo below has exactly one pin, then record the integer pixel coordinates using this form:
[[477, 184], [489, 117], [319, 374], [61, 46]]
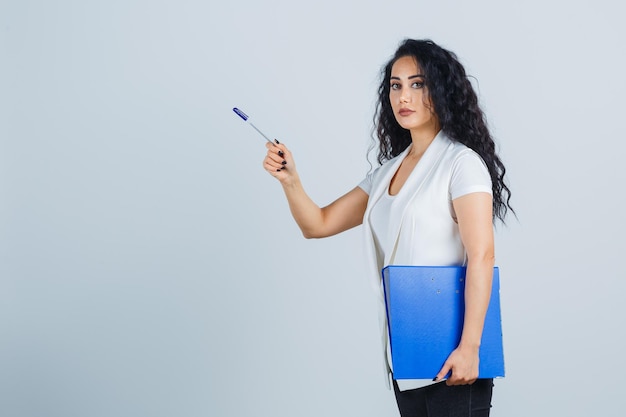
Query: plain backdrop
[[150, 267]]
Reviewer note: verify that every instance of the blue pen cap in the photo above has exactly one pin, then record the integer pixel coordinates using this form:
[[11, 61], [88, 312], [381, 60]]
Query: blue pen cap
[[240, 113]]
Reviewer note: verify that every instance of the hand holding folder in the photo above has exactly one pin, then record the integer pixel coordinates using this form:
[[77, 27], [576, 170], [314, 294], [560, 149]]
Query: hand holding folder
[[425, 310]]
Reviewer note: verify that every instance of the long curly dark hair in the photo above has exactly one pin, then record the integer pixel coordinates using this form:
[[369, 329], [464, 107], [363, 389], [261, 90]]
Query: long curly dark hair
[[455, 105]]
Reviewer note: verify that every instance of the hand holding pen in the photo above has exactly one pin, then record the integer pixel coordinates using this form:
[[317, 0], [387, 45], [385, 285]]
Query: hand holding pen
[[278, 157], [313, 220]]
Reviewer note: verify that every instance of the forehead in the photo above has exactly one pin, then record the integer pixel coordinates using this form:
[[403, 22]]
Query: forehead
[[406, 65]]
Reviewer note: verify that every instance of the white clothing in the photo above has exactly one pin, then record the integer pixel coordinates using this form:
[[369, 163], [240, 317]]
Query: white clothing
[[419, 222]]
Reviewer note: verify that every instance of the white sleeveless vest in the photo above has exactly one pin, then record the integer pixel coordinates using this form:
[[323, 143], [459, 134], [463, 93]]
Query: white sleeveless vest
[[425, 226]]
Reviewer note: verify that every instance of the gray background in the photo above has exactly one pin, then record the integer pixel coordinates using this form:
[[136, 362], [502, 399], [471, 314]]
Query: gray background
[[149, 266]]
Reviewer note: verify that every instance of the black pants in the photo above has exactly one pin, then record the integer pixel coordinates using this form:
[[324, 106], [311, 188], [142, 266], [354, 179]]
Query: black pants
[[440, 400]]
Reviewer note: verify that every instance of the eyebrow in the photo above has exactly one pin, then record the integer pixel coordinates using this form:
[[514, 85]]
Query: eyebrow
[[410, 78]]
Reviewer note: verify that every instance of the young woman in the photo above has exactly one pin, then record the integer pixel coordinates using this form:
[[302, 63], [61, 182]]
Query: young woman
[[432, 201]]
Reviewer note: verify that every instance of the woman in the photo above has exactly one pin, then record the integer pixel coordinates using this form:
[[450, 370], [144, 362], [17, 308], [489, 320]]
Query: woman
[[432, 201]]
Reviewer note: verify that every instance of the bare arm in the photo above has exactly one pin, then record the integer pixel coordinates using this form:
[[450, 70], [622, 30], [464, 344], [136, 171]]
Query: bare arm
[[476, 228], [344, 213]]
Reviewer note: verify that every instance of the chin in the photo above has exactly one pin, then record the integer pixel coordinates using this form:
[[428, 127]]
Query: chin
[[404, 125], [409, 126]]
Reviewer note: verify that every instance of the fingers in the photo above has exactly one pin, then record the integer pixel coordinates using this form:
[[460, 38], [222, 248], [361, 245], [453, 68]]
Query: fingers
[[461, 376], [457, 371], [459, 380], [447, 367], [456, 379], [276, 158]]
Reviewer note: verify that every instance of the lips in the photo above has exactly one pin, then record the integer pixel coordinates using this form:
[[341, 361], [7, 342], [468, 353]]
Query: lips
[[405, 112]]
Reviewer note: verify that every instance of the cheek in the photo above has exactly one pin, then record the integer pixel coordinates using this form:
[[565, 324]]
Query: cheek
[[393, 100], [425, 105]]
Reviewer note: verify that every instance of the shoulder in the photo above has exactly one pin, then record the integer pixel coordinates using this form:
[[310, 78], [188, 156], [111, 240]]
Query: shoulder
[[466, 169], [457, 149], [459, 154]]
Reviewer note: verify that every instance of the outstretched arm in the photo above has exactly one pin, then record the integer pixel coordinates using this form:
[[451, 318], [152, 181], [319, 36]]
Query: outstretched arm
[[314, 221]]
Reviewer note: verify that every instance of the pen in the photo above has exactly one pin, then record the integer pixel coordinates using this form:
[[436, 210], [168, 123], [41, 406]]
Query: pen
[[245, 118]]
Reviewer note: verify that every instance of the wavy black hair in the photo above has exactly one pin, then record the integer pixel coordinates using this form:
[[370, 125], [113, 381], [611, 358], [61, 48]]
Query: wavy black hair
[[454, 103]]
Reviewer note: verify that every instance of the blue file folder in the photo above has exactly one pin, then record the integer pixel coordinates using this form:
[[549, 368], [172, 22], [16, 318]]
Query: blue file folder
[[425, 307]]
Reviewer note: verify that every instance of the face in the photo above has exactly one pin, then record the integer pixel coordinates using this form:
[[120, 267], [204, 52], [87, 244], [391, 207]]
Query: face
[[409, 98]]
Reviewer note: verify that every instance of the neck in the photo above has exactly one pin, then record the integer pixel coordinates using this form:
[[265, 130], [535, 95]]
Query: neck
[[421, 141]]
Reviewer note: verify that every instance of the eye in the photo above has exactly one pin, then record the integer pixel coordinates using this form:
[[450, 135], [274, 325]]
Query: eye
[[395, 86], [417, 84]]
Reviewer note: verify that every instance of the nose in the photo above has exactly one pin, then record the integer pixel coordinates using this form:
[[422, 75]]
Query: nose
[[404, 96]]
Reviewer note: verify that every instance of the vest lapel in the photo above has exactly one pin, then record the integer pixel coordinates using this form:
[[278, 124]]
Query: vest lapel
[[379, 187], [411, 188]]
